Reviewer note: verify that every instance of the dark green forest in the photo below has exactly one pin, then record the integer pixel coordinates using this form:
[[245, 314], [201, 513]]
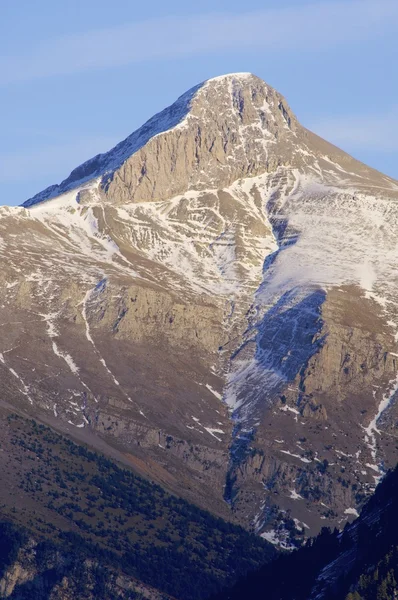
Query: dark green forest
[[96, 509]]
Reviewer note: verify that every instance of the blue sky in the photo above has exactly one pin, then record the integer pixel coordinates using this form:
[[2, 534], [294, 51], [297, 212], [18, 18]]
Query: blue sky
[[77, 76]]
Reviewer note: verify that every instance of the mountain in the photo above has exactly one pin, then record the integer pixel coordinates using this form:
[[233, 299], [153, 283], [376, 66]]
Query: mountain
[[359, 563], [212, 302]]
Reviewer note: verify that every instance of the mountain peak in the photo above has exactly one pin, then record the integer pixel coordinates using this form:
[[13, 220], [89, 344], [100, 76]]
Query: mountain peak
[[219, 116], [224, 129], [244, 76]]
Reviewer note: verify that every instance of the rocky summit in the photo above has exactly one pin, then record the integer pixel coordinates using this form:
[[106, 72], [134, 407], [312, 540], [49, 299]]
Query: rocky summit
[[213, 303]]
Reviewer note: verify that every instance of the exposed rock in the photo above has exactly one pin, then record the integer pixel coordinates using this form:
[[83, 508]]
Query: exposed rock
[[59, 577]]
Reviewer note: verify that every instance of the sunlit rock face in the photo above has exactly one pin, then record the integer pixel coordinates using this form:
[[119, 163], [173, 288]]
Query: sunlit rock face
[[215, 296]]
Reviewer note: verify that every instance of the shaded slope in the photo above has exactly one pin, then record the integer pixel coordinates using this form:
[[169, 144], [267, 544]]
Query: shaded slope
[[357, 564]]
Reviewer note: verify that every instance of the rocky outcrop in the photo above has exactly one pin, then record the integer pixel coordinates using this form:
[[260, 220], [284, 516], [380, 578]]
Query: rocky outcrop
[[39, 574], [313, 452], [209, 146]]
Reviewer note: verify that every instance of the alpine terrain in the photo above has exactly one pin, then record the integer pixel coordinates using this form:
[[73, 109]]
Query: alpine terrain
[[212, 303]]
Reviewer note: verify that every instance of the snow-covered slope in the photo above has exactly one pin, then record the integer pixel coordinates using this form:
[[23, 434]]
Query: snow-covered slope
[[217, 295]]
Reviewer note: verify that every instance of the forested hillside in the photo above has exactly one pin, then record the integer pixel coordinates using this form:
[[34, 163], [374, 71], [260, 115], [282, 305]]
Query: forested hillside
[[84, 506]]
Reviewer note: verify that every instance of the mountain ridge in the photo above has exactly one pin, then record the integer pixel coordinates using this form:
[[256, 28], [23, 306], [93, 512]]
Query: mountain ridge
[[169, 118]]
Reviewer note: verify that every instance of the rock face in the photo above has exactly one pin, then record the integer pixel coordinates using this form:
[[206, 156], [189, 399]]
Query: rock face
[[216, 296], [216, 133], [56, 575]]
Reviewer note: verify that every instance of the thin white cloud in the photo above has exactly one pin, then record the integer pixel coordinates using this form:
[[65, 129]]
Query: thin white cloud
[[315, 26], [375, 132]]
